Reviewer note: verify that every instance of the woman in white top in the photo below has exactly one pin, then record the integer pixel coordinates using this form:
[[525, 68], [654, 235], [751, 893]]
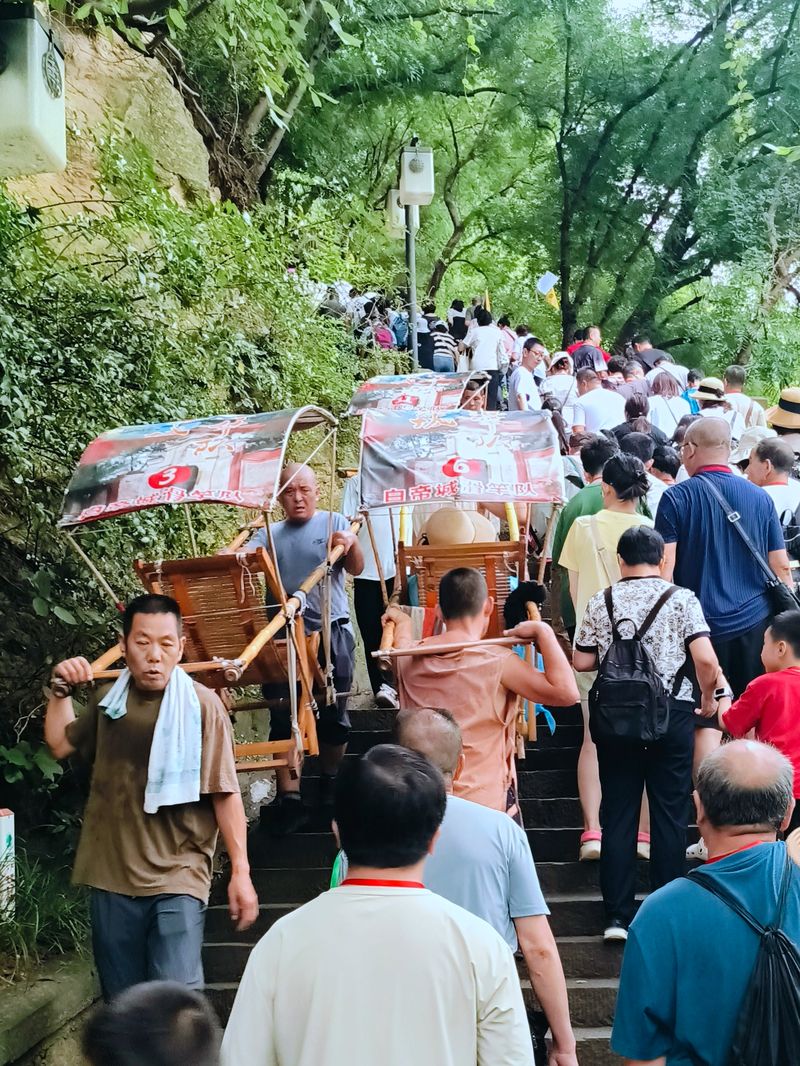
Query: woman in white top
[[667, 406], [560, 382], [710, 395], [487, 352]]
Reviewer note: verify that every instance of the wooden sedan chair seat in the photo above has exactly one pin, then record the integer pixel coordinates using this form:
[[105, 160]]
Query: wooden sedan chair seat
[[222, 600], [499, 562]]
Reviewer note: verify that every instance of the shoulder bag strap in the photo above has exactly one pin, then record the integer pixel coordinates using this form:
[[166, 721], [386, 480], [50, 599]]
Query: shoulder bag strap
[[653, 612], [735, 520], [610, 608], [600, 552], [711, 885]]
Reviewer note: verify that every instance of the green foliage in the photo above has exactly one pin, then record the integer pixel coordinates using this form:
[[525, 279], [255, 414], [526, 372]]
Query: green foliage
[[50, 917], [137, 311]]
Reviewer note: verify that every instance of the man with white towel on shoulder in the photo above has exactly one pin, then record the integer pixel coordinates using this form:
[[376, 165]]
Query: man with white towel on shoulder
[[163, 785]]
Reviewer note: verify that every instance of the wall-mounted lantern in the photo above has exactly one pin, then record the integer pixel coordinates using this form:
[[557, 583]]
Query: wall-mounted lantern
[[416, 174], [33, 136]]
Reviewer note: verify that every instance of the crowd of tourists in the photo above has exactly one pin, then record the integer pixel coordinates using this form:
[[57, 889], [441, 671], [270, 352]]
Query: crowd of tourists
[[674, 625]]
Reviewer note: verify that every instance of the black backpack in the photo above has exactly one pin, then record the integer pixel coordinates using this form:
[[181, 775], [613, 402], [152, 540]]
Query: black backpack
[[768, 1029], [628, 701]]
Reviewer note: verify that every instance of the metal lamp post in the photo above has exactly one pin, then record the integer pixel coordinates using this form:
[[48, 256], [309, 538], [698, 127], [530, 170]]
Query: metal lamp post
[[416, 189]]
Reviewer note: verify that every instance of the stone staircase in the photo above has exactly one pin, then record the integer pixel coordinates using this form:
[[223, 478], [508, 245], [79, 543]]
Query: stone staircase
[[288, 872]]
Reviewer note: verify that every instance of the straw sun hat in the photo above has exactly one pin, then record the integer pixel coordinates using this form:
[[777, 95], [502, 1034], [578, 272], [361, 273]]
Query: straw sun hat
[[786, 413], [709, 389]]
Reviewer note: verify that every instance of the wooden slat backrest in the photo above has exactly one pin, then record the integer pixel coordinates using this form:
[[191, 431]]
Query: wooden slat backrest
[[499, 562], [222, 599]]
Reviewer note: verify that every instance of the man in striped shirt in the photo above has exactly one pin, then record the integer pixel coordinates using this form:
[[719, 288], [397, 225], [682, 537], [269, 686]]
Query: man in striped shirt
[[445, 349]]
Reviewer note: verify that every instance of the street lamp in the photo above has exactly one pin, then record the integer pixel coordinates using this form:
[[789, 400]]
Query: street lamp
[[416, 189]]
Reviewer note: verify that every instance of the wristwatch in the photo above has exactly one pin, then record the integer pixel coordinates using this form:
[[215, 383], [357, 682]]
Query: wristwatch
[[56, 688], [722, 694]]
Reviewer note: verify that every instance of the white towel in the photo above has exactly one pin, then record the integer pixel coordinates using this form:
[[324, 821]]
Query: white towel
[[173, 772]]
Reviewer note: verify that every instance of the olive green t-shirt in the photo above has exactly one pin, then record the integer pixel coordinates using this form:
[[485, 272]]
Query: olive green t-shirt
[[121, 848]]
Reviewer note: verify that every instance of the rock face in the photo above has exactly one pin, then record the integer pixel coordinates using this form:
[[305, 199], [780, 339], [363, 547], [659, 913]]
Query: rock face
[[110, 83]]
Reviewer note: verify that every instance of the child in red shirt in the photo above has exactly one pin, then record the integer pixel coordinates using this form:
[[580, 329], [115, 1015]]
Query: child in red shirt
[[771, 703]]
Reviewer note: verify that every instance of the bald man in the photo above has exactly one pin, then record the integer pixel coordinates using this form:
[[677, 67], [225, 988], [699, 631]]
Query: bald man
[[301, 544], [482, 862], [706, 554], [689, 957]]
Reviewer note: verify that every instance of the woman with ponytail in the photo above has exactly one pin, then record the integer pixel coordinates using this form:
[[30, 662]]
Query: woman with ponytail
[[590, 556]]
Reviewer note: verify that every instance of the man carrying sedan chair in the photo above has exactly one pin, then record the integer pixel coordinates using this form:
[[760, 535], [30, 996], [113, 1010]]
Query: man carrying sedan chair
[[163, 785]]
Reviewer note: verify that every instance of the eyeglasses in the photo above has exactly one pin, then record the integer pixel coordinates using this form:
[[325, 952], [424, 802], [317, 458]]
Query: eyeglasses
[[686, 444]]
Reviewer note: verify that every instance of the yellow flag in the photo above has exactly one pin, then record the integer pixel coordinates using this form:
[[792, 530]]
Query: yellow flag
[[552, 299], [487, 302]]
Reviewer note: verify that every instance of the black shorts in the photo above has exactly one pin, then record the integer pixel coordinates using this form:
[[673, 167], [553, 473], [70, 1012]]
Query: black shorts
[[333, 725]]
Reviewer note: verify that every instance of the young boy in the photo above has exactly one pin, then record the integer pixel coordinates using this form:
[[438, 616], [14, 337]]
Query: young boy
[[771, 703]]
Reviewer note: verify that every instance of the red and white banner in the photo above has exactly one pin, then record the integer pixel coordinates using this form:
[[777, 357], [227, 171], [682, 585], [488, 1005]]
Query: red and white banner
[[411, 458], [233, 459], [409, 392]]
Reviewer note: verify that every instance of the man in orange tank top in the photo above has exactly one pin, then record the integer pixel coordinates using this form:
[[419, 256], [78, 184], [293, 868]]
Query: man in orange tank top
[[480, 685]]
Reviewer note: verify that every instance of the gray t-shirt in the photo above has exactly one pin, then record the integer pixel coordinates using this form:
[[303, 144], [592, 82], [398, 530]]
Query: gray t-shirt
[[483, 863], [300, 547]]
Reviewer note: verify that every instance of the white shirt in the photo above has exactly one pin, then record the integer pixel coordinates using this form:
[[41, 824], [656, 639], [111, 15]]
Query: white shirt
[[598, 409], [680, 373], [751, 411], [665, 414], [565, 389], [733, 418], [377, 976], [785, 497], [488, 349], [381, 527], [655, 490], [523, 395]]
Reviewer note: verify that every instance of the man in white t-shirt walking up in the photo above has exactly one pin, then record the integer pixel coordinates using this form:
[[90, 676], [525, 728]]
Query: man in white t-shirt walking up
[[523, 392], [596, 408], [751, 410], [380, 970], [770, 465]]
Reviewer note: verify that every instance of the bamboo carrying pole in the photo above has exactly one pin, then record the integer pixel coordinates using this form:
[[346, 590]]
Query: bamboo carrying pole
[[289, 609], [441, 649], [233, 669]]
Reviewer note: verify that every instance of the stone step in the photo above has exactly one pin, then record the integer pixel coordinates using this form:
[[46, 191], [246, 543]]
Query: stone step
[[571, 914], [593, 1043], [537, 757], [584, 957], [555, 813], [594, 1047], [382, 718], [591, 1000], [302, 883], [548, 784]]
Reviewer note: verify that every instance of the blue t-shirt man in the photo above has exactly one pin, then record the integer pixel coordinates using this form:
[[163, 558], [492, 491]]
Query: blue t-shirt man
[[711, 558], [689, 958], [483, 863], [300, 547]]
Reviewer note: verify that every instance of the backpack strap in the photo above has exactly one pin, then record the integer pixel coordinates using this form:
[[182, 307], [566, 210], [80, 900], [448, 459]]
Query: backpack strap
[[652, 614], [610, 608], [711, 885]]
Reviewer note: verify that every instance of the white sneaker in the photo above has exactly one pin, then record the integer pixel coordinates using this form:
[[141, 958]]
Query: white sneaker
[[615, 932], [387, 697], [698, 851], [643, 850], [590, 851]]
